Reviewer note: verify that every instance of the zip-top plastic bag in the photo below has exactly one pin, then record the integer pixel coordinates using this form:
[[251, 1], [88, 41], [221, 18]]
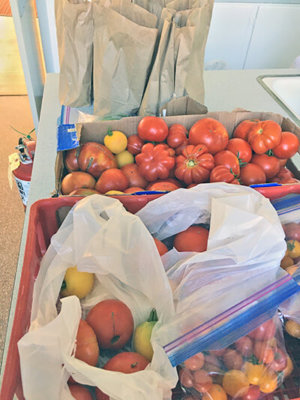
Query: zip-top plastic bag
[[225, 292], [98, 236]]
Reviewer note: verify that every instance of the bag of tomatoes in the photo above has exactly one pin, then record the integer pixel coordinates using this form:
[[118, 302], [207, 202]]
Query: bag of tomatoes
[[93, 309], [251, 367]]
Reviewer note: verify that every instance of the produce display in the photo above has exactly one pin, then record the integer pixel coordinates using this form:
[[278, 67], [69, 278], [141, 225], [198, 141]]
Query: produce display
[[256, 364], [159, 157]]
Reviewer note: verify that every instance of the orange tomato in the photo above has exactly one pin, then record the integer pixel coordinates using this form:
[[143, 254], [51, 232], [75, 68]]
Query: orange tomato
[[195, 362], [112, 179], [263, 352], [268, 382], [254, 372], [235, 383], [216, 392], [193, 238], [87, 349]]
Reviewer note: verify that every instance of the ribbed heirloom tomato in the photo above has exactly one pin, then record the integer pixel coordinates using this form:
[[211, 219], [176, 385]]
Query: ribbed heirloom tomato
[[177, 136], [221, 173], [264, 135], [229, 160], [243, 128], [134, 144]]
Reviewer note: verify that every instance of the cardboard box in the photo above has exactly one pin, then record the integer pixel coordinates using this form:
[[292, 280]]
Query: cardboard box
[[95, 131]]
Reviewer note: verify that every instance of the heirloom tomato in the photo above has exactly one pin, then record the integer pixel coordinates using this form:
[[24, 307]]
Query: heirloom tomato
[[71, 159], [240, 148], [269, 164], [193, 238], [153, 129], [211, 133], [112, 179], [194, 164], [115, 141], [284, 176], [242, 129], [177, 136], [134, 189], [133, 175], [287, 147], [162, 185], [161, 247], [87, 349], [252, 174], [80, 392], [100, 395], [77, 180], [127, 362], [220, 173], [134, 144], [264, 135], [229, 160], [95, 158]]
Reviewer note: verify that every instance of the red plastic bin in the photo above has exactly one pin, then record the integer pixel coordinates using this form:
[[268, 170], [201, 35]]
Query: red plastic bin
[[43, 224]]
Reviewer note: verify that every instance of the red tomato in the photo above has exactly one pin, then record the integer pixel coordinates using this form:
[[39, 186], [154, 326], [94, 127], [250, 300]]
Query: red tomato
[[112, 322], [240, 148], [229, 160], [134, 144], [131, 171], [284, 176], [279, 362], [127, 362], [265, 135], [292, 231], [264, 331], [153, 129], [222, 174], [232, 359], [193, 238], [77, 180], [80, 392], [194, 164], [186, 378], [100, 395], [71, 159], [242, 129], [252, 174], [202, 381], [245, 346], [287, 147], [263, 352], [112, 179], [282, 162], [134, 189], [83, 192], [269, 164], [87, 349], [163, 186], [177, 136], [252, 394], [212, 363], [210, 132], [96, 158], [195, 362], [161, 247]]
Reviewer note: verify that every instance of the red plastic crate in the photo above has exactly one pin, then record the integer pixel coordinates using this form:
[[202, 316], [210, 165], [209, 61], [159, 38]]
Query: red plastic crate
[[43, 224]]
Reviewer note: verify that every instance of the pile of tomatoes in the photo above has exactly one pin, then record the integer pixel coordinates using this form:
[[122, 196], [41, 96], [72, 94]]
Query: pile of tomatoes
[[254, 365], [164, 158]]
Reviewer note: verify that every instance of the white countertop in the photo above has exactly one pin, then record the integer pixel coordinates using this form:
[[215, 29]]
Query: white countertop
[[225, 90]]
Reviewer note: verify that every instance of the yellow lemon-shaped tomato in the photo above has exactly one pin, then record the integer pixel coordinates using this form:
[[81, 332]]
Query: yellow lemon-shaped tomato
[[293, 248], [114, 192], [115, 141], [141, 339], [124, 158], [77, 283]]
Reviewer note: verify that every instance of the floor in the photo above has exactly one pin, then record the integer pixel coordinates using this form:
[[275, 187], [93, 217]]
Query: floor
[[14, 112]]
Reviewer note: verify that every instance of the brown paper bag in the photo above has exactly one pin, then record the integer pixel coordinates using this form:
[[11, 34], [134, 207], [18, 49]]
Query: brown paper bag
[[153, 6], [123, 51], [74, 22], [182, 106], [133, 12]]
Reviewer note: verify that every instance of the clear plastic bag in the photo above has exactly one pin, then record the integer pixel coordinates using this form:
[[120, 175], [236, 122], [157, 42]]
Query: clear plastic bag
[[99, 236]]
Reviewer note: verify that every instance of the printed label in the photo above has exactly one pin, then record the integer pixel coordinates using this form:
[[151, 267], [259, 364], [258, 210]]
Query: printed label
[[23, 187]]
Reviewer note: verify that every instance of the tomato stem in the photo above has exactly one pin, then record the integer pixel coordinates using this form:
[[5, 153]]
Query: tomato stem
[[63, 285], [152, 316], [134, 365], [109, 132]]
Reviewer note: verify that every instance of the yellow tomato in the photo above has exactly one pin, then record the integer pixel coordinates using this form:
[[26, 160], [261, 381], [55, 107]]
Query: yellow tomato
[[114, 192], [293, 248], [115, 141], [124, 158], [286, 262], [216, 392], [235, 383], [268, 382], [77, 283], [254, 372]]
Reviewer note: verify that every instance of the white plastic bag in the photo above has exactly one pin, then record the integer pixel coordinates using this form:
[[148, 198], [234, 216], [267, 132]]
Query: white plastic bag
[[245, 246], [100, 236]]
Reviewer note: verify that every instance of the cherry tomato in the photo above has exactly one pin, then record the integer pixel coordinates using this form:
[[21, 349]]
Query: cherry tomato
[[212, 363], [227, 158], [186, 378], [287, 147], [292, 230], [177, 136], [254, 372], [265, 135], [112, 179], [216, 392], [280, 360], [202, 381], [252, 174], [131, 171], [235, 383], [134, 144], [243, 128], [269, 164], [264, 331], [232, 359], [210, 132], [193, 238], [252, 394], [161, 247], [153, 129], [268, 382], [241, 148], [245, 346], [195, 362], [263, 352]]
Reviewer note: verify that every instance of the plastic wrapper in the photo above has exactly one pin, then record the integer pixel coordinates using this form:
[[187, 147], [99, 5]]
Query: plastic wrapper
[[251, 367], [100, 236]]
